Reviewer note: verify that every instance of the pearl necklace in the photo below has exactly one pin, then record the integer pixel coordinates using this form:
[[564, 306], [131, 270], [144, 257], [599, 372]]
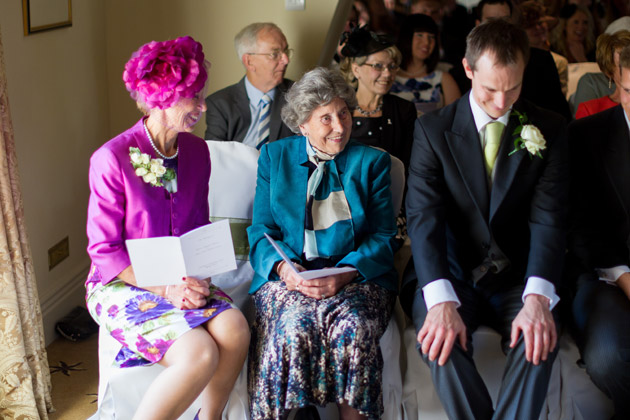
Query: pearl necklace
[[146, 130], [369, 113]]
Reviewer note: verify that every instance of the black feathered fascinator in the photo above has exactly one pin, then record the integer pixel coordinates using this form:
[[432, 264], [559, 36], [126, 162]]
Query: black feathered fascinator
[[361, 42]]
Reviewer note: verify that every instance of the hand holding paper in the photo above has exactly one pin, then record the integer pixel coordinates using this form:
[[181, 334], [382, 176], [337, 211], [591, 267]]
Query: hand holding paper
[[309, 274], [317, 284], [200, 253]]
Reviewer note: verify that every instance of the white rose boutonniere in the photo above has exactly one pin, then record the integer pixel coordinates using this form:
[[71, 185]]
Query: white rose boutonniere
[[152, 171], [136, 156], [528, 137]]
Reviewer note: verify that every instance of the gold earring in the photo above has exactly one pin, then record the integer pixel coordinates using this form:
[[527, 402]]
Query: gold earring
[[609, 83]]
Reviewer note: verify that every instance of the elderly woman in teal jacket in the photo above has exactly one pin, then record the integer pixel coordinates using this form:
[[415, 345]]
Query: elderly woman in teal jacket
[[326, 201]]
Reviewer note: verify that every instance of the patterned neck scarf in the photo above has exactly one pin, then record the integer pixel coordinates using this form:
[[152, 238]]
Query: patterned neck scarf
[[328, 231]]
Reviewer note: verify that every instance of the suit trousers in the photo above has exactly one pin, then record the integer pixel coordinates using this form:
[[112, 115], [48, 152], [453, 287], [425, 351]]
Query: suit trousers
[[461, 389], [601, 328]]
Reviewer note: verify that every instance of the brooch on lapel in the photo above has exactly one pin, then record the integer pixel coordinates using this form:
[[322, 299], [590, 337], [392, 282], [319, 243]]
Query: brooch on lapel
[[528, 136], [152, 171]]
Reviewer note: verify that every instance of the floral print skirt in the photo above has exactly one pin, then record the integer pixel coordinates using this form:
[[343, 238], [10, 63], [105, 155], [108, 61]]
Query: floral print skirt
[[311, 352], [145, 323]]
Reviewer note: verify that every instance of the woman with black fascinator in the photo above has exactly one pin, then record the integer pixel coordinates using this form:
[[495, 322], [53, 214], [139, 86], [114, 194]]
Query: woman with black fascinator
[[382, 120]]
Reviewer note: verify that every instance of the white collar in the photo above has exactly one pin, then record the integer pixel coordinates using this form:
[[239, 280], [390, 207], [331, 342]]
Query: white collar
[[480, 116]]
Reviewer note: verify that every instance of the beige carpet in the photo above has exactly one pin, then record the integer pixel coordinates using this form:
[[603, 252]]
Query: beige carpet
[[74, 373]]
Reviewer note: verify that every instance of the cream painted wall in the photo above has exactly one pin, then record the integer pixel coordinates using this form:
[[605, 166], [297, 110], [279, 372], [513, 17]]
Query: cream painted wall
[[57, 84], [213, 23]]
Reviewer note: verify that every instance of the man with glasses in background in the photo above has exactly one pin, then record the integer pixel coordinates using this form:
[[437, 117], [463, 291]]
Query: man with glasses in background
[[249, 111]]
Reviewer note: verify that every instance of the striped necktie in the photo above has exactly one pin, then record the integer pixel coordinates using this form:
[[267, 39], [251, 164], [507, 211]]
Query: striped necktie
[[263, 121], [494, 130]]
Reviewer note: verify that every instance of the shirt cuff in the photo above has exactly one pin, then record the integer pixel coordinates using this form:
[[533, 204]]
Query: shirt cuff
[[540, 286], [610, 275], [439, 291]]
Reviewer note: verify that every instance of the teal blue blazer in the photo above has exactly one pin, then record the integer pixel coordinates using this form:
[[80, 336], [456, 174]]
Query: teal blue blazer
[[280, 206]]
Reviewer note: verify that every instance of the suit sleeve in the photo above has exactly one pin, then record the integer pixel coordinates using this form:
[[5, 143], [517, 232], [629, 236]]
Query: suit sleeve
[[374, 257], [597, 237], [202, 188], [548, 208], [262, 255], [425, 205], [216, 121], [106, 214]]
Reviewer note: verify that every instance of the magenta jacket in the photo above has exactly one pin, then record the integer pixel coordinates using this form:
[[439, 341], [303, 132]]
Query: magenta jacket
[[122, 206]]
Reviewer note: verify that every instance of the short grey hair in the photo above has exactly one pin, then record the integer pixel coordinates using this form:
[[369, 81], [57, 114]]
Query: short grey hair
[[316, 88], [246, 40]]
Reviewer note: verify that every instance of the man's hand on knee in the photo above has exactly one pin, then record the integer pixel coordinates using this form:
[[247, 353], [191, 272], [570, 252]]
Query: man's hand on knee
[[538, 327], [442, 326]]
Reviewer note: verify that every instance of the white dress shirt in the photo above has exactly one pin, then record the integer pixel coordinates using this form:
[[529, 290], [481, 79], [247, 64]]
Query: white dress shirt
[[441, 290]]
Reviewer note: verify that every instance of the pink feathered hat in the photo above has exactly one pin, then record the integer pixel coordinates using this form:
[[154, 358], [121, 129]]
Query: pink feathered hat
[[160, 73]]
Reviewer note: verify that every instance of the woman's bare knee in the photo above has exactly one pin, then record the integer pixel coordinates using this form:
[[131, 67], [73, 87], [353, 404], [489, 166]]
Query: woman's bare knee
[[229, 328], [196, 348]]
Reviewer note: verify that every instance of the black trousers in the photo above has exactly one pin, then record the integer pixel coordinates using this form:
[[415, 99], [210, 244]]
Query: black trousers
[[601, 328], [458, 383]]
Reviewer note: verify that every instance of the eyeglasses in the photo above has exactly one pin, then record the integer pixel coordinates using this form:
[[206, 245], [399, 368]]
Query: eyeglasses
[[276, 54], [380, 67]]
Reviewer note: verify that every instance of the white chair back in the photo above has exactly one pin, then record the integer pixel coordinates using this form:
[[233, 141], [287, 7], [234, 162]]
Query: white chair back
[[397, 174], [232, 189], [577, 70]]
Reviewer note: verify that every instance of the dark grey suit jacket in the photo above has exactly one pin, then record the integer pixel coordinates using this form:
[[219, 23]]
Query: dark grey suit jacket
[[600, 191], [457, 224], [228, 117]]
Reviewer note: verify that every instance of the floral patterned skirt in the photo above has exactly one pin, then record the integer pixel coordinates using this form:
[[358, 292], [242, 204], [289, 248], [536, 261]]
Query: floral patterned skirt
[[311, 352], [145, 323]]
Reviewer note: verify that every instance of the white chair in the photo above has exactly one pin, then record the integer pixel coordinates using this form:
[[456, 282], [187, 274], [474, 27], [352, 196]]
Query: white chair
[[577, 70], [575, 397], [232, 189], [391, 341]]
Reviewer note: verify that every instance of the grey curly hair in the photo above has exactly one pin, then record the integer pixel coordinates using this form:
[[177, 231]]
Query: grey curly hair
[[316, 88]]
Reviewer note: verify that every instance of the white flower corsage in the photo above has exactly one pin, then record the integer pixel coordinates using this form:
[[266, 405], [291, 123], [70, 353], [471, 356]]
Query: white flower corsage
[[152, 171], [528, 137]]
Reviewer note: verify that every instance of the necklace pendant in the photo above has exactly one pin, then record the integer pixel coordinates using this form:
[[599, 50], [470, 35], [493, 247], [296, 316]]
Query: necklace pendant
[[370, 113]]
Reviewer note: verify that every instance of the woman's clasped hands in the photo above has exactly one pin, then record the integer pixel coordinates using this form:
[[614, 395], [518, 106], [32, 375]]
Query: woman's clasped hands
[[191, 293], [319, 288]]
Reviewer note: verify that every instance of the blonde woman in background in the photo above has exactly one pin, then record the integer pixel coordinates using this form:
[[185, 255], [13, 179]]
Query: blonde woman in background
[[608, 49]]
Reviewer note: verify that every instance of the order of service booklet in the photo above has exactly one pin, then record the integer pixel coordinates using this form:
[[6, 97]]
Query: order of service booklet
[[309, 274], [200, 253]]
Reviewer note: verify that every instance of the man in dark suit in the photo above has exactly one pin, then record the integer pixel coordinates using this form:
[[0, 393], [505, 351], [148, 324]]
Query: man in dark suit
[[598, 261], [485, 217], [249, 111]]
